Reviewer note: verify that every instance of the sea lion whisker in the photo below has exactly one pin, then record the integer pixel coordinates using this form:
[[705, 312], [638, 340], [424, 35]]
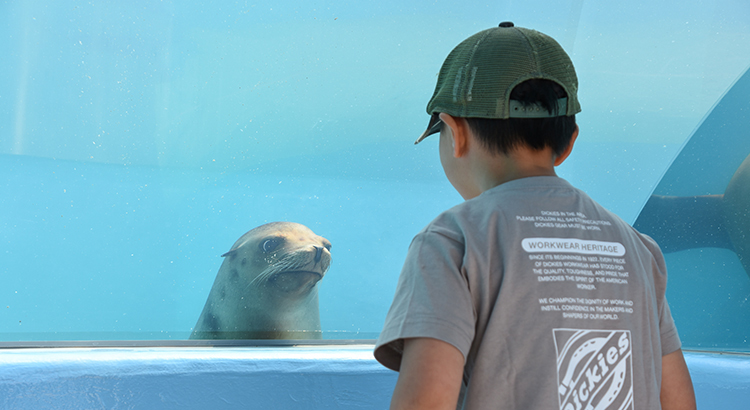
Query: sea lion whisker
[[290, 262], [263, 276]]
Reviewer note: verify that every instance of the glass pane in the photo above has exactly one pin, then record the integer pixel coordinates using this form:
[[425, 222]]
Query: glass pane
[[700, 216], [140, 140]]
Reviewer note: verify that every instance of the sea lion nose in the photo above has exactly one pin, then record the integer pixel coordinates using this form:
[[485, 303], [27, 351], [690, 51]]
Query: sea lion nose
[[318, 253]]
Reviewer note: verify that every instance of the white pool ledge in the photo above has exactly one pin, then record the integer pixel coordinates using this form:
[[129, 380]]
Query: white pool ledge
[[314, 377]]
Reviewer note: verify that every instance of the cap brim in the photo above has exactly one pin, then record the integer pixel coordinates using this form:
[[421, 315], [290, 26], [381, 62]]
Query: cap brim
[[433, 127]]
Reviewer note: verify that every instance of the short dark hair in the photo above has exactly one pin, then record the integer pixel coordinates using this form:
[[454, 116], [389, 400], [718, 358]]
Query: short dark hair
[[501, 136]]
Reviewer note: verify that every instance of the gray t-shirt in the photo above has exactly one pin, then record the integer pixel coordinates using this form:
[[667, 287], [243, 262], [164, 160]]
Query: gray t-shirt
[[555, 302]]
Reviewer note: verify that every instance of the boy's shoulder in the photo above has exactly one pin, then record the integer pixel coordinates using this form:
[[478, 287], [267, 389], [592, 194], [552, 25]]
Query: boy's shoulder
[[534, 199], [508, 198]]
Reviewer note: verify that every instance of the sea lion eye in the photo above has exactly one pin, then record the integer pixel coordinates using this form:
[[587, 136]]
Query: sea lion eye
[[269, 245]]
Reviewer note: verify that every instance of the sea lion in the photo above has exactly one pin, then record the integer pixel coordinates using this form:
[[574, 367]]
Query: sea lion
[[266, 287], [737, 212], [704, 221]]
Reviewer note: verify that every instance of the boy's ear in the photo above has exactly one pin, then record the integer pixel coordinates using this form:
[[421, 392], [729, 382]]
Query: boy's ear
[[560, 158], [459, 130]]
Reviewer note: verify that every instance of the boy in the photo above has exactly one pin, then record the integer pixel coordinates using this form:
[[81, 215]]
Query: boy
[[529, 295]]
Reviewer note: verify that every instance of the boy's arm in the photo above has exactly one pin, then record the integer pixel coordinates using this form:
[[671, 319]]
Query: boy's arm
[[429, 377], [676, 387]]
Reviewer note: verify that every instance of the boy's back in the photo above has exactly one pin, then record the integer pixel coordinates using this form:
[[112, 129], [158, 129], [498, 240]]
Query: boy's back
[[529, 294], [552, 296]]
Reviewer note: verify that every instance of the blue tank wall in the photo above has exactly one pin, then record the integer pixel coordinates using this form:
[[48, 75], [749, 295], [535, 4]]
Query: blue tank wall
[[256, 378]]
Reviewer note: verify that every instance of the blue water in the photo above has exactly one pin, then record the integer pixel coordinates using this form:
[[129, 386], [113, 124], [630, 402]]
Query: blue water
[[708, 287], [138, 141], [100, 248], [99, 251]]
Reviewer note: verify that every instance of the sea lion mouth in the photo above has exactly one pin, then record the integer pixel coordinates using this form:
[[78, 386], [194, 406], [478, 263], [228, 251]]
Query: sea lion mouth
[[296, 280]]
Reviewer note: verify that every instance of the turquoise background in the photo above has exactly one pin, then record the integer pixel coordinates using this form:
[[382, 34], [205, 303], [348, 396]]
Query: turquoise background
[[138, 141]]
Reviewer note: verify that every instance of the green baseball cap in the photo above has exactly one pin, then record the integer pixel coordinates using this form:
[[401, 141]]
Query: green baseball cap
[[478, 76]]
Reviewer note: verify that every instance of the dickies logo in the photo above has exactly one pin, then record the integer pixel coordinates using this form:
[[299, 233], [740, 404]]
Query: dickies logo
[[594, 369]]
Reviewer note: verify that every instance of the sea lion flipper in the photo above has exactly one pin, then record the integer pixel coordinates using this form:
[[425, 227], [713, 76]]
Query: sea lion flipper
[[737, 212], [679, 223]]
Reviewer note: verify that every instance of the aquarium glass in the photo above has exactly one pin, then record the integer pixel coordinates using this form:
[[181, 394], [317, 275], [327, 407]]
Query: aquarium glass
[[139, 140]]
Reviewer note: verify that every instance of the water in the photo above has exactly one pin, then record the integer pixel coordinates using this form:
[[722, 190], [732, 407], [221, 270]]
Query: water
[[708, 287], [129, 249], [138, 141]]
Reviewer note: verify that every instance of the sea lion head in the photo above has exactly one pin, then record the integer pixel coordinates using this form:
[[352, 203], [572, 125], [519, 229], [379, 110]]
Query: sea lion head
[[283, 257], [266, 286]]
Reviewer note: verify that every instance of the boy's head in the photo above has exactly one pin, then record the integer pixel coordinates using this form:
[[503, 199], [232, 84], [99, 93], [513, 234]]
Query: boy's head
[[514, 86]]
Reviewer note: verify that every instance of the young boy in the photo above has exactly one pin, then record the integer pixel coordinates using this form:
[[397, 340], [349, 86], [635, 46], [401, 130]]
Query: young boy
[[529, 295]]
